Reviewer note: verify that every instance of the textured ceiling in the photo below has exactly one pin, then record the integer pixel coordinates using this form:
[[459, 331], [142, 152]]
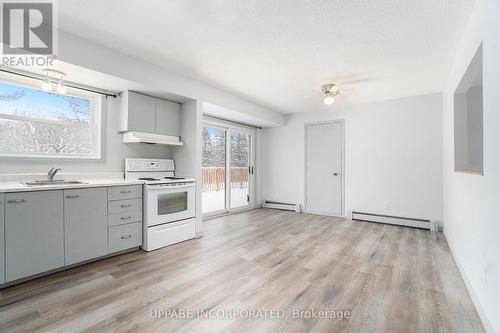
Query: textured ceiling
[[279, 52]]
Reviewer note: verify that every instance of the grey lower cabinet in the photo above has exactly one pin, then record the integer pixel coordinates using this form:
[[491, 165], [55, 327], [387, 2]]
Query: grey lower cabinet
[[50, 229], [34, 233], [85, 224], [2, 240]]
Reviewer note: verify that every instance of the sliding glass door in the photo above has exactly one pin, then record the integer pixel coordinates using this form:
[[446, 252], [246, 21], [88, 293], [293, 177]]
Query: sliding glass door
[[214, 170], [227, 168], [240, 166]]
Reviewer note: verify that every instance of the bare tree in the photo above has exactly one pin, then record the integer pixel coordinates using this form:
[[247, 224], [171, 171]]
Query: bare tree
[[41, 136], [78, 110]]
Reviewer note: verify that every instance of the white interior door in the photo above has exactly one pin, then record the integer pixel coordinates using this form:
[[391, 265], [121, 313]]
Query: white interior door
[[324, 185]]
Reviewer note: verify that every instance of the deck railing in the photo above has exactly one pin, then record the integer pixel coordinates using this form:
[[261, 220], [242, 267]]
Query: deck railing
[[214, 178]]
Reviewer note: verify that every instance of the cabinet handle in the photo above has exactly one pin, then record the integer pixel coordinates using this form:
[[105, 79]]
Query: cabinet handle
[[126, 206], [126, 237], [126, 218], [76, 196], [16, 201], [125, 192]]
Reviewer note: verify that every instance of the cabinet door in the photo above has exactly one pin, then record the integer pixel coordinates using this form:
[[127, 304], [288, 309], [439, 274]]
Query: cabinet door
[[85, 224], [2, 240], [141, 113], [34, 235], [168, 118]]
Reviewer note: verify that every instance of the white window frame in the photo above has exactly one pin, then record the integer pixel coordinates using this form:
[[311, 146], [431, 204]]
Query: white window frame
[[95, 122], [229, 126]]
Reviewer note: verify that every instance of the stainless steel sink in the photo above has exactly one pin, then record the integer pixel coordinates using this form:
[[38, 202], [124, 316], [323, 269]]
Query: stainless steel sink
[[46, 182]]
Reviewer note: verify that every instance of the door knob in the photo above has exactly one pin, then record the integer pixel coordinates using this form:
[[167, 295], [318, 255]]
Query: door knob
[[335, 174]]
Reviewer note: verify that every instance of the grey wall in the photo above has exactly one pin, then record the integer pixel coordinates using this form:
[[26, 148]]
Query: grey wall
[[475, 128]]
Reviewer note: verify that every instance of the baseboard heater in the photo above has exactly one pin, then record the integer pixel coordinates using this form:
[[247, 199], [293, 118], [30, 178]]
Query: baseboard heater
[[281, 205], [431, 225]]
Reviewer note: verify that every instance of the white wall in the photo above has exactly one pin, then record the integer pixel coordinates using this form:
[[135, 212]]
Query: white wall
[[188, 158], [393, 155], [258, 168], [104, 59], [113, 154], [471, 202]]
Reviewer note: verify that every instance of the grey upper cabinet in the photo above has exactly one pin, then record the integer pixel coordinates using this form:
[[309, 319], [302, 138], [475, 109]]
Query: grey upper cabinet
[[2, 240], [168, 118], [85, 224], [141, 113], [34, 234]]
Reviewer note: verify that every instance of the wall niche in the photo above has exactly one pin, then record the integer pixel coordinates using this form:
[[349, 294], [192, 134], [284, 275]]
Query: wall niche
[[468, 118]]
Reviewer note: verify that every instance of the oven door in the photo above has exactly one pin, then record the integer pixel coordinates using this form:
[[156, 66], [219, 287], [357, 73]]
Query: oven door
[[165, 203]]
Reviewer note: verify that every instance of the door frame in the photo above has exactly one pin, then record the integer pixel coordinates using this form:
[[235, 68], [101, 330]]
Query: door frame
[[342, 171], [227, 126]]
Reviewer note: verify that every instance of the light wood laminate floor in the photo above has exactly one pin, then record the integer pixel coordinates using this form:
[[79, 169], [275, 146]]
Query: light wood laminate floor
[[390, 278]]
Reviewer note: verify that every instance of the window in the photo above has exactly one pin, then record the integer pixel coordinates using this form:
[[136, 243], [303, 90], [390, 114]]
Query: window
[[39, 124], [468, 118]]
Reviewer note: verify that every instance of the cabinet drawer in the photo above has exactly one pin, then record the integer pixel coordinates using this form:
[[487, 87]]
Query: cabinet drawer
[[123, 237], [122, 206], [124, 192], [124, 218]]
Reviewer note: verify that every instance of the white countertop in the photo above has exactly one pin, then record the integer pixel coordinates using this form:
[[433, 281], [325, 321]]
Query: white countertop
[[13, 183]]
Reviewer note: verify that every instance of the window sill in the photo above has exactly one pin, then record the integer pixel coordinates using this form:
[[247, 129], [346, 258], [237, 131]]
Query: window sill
[[469, 172], [48, 158]]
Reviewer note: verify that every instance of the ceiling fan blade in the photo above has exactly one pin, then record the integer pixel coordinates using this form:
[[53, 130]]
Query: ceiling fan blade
[[347, 88], [360, 80]]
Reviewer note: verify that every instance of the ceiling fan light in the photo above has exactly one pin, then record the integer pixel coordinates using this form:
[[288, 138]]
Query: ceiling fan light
[[329, 99]]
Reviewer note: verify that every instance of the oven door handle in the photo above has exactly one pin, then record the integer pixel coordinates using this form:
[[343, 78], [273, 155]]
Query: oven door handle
[[156, 187]]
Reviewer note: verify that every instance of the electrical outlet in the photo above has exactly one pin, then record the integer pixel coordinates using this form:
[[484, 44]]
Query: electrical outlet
[[386, 205]]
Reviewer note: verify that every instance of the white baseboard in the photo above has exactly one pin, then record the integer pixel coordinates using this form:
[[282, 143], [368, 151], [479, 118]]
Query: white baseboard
[[281, 205], [479, 308], [396, 220]]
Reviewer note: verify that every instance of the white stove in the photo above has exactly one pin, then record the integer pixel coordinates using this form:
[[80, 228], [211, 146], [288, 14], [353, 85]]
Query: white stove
[[153, 171], [169, 202]]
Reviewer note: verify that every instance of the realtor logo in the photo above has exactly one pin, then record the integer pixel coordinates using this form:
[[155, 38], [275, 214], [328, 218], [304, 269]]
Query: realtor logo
[[28, 27]]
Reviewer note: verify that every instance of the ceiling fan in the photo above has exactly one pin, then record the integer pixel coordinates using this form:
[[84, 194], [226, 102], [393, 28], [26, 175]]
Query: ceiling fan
[[330, 91]]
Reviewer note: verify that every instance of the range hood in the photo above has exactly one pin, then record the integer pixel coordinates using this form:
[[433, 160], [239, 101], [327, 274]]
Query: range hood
[[165, 140]]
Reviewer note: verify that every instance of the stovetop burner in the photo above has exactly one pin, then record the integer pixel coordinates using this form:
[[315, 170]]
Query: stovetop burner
[[148, 178], [174, 178]]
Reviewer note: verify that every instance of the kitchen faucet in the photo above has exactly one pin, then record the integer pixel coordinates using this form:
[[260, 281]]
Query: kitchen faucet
[[52, 173]]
